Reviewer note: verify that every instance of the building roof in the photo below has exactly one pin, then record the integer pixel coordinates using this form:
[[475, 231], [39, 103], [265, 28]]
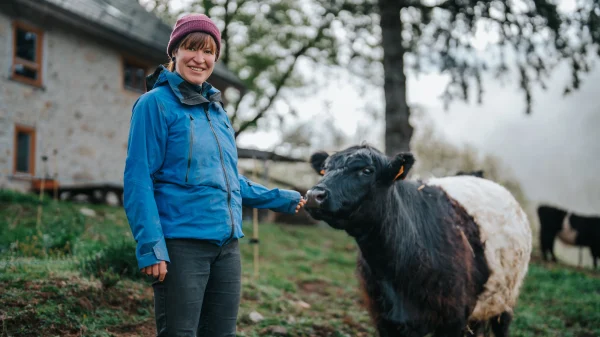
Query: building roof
[[120, 21]]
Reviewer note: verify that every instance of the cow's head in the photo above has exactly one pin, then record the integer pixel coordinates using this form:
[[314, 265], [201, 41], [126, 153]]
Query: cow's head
[[350, 179]]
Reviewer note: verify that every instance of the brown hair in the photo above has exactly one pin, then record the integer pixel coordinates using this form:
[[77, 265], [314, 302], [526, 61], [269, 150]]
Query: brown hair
[[198, 40]]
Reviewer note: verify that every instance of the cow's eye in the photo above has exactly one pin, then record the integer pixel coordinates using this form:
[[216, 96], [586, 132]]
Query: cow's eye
[[367, 171]]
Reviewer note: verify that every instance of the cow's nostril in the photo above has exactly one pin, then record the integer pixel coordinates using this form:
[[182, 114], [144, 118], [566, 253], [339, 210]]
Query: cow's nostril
[[316, 197], [320, 196]]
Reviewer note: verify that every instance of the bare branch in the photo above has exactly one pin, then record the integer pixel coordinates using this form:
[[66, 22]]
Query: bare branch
[[281, 82]]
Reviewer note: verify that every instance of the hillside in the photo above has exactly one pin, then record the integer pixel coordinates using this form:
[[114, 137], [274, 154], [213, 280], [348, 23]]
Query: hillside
[[57, 280]]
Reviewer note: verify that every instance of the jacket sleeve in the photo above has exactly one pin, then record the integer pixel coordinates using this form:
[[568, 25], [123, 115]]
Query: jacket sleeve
[[258, 196], [145, 154]]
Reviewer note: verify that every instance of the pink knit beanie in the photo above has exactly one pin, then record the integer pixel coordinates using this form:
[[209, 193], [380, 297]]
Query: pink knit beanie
[[194, 23]]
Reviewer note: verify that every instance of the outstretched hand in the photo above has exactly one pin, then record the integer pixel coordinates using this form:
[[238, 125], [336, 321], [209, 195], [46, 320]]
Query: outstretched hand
[[300, 204], [158, 270]]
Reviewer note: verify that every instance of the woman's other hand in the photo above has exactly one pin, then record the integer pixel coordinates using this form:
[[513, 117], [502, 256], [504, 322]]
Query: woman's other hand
[[158, 270]]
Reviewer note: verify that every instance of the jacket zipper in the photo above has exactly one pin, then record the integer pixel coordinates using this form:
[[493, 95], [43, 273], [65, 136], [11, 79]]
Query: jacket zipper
[[223, 167], [189, 164]]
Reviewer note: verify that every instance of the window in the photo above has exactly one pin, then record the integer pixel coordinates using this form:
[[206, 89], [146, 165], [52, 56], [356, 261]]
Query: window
[[27, 54], [134, 76], [24, 150]]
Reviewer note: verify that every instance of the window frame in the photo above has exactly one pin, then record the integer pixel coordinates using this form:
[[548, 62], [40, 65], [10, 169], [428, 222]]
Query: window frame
[[32, 134], [38, 65], [138, 64]]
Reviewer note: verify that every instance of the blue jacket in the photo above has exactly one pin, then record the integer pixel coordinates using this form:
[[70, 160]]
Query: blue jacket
[[181, 178]]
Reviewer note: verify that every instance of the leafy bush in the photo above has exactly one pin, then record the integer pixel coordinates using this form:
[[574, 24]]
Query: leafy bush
[[13, 197], [28, 230], [113, 263], [53, 238]]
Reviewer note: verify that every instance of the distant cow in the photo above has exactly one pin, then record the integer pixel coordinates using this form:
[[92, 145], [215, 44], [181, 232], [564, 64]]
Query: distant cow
[[434, 256], [478, 173], [571, 229]]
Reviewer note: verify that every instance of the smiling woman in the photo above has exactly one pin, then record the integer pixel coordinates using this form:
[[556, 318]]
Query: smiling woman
[[183, 194]]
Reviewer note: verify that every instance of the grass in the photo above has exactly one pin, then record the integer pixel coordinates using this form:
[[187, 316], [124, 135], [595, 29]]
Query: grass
[[305, 286]]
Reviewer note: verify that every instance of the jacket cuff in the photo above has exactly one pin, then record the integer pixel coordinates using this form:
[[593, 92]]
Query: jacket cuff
[[150, 253], [293, 197]]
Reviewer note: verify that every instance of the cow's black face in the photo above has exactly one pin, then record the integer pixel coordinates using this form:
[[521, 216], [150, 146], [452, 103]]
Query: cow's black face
[[350, 179]]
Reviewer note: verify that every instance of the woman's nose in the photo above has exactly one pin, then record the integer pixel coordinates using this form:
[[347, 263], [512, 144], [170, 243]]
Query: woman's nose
[[199, 56]]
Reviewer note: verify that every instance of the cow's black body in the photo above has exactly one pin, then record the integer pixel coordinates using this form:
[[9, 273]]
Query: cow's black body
[[421, 263]]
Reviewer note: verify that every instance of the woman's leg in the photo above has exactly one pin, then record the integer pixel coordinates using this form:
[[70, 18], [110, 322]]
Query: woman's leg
[[222, 296], [178, 299]]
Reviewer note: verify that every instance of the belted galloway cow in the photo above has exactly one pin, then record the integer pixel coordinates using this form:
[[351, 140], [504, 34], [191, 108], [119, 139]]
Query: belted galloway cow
[[441, 257]]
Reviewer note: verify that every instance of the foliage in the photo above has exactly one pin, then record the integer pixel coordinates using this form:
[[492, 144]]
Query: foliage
[[534, 36], [113, 263], [266, 42], [63, 230], [13, 197], [55, 235]]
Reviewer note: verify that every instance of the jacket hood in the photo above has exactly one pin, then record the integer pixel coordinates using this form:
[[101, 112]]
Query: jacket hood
[[187, 93]]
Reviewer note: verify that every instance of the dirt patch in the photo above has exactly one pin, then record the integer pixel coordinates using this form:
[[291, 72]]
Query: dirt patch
[[316, 287], [60, 307], [324, 331], [147, 328]]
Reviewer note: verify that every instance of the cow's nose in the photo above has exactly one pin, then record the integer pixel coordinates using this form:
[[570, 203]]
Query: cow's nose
[[315, 197]]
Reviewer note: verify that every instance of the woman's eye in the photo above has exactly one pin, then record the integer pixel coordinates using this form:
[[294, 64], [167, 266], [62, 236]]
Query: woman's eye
[[208, 51], [192, 49], [367, 171]]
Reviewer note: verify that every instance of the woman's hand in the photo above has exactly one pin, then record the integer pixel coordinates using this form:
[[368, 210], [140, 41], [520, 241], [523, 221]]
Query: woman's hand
[[157, 270], [300, 204]]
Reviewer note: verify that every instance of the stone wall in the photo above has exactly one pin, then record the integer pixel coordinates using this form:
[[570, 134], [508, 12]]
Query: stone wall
[[82, 111]]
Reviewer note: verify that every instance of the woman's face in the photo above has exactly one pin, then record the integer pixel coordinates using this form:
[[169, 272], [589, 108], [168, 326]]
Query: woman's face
[[194, 64]]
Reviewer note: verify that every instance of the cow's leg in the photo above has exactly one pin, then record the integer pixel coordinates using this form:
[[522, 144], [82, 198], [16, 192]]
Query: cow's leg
[[547, 243], [475, 329], [595, 251], [500, 324]]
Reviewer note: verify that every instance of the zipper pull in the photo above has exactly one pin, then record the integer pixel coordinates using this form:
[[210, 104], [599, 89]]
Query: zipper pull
[[191, 118], [206, 112]]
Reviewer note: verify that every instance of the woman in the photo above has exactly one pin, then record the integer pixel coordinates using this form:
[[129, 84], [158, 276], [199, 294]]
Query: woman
[[183, 194]]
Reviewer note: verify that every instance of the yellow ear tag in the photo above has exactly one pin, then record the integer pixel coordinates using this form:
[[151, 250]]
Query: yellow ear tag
[[399, 172], [322, 172]]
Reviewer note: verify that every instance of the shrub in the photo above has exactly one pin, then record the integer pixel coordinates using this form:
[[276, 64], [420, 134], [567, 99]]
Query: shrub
[[53, 238], [14, 197], [113, 263]]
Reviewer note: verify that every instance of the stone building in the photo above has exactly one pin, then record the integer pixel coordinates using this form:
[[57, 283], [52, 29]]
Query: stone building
[[70, 73]]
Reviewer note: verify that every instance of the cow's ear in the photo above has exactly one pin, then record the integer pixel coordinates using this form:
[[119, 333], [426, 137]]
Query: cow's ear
[[400, 166], [317, 160]]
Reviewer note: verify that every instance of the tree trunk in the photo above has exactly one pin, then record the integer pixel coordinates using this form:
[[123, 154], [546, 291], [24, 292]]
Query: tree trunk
[[398, 130]]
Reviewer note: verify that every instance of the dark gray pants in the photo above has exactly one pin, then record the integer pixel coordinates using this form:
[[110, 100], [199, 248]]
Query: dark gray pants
[[200, 295]]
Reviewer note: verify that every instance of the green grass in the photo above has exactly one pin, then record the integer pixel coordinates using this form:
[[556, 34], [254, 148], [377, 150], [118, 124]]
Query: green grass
[[44, 292]]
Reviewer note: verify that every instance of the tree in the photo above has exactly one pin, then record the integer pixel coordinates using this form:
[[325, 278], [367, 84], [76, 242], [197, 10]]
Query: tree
[[264, 41], [421, 35]]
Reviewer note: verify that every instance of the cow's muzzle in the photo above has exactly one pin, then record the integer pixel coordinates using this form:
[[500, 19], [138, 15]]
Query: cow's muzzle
[[315, 197]]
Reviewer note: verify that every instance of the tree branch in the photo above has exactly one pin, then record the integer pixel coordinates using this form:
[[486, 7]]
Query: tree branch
[[233, 118], [279, 84], [225, 32]]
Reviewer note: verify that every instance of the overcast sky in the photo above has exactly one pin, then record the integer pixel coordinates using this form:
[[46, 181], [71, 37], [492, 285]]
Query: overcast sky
[[554, 152]]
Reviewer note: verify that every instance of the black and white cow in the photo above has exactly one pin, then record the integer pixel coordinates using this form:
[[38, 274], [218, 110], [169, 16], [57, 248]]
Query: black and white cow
[[571, 229], [440, 257]]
